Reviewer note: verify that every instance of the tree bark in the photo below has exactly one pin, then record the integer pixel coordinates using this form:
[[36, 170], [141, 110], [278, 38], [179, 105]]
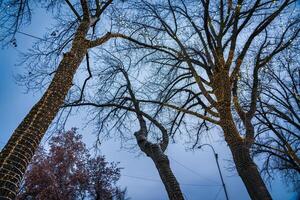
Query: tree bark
[[239, 146], [245, 166], [162, 164], [170, 182], [249, 173], [19, 150]]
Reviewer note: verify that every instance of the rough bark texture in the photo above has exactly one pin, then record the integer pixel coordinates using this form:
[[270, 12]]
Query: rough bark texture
[[245, 166], [172, 186], [162, 164], [19, 150], [239, 146], [249, 173]]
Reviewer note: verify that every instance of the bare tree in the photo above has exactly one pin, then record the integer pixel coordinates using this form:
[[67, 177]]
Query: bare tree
[[278, 115], [80, 19], [117, 109], [201, 50]]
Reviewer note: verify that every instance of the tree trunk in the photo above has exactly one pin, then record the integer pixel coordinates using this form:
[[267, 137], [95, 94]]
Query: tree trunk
[[245, 166], [169, 180], [162, 164], [19, 150], [249, 173], [238, 145]]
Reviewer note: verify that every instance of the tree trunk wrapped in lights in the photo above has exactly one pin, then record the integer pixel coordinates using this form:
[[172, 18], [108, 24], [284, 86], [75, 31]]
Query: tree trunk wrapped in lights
[[17, 153], [20, 148]]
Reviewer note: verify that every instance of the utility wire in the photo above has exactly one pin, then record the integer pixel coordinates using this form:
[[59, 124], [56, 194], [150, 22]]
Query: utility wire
[[191, 170], [185, 197], [30, 35], [220, 189], [45, 40], [157, 180], [39, 38]]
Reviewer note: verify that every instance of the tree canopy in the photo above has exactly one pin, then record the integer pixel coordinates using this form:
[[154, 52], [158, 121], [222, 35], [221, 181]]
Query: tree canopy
[[68, 171]]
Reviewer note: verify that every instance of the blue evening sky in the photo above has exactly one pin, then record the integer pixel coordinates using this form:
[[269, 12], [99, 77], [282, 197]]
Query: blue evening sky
[[196, 170]]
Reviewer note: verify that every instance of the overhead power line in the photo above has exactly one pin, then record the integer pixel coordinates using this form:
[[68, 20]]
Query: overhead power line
[[45, 40], [191, 170], [157, 180], [39, 38], [29, 35], [218, 193]]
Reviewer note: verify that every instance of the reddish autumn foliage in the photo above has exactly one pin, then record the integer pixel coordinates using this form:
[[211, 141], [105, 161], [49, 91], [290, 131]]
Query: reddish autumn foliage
[[68, 172]]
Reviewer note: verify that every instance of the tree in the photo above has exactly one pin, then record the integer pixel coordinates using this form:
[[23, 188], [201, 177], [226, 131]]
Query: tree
[[103, 178], [67, 171], [200, 50], [278, 117], [118, 110], [120, 194], [75, 22]]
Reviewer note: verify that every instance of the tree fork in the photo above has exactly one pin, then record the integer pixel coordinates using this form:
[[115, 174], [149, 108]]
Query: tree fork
[[162, 164], [239, 146]]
